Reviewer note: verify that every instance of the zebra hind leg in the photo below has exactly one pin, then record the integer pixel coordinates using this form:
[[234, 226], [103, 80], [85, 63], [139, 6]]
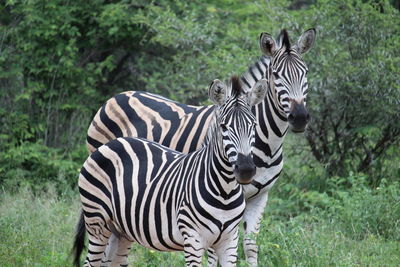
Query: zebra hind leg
[[98, 239], [111, 250], [118, 247], [212, 258], [121, 254]]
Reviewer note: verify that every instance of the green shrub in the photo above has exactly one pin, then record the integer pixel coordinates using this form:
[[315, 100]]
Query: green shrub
[[354, 86], [38, 166], [349, 204], [61, 60]]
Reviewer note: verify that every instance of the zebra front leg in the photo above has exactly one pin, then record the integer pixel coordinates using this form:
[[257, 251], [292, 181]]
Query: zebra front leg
[[212, 258], [226, 249], [251, 222], [194, 250]]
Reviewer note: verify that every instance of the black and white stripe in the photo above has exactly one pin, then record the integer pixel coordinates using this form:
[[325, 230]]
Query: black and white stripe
[[178, 126], [134, 190], [183, 127]]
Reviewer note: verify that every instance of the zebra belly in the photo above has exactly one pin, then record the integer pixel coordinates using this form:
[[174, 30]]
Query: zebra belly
[[153, 227], [155, 231]]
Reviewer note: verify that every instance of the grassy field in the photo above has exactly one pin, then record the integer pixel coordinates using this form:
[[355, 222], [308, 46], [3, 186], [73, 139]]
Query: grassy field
[[351, 228]]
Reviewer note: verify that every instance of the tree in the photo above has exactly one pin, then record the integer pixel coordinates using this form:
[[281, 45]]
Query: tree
[[355, 92], [61, 60]]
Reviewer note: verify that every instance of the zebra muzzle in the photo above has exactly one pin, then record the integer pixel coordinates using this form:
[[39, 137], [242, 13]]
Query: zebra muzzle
[[244, 169], [298, 117]]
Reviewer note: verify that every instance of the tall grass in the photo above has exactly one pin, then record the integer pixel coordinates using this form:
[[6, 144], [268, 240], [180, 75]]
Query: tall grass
[[355, 227], [36, 230]]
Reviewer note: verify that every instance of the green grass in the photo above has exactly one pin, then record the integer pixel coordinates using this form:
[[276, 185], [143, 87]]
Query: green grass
[[37, 230], [300, 243]]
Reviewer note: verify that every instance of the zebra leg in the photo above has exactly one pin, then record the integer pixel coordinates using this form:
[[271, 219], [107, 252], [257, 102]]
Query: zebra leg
[[194, 250], [212, 258], [117, 250], [98, 239], [121, 255], [251, 222], [110, 251], [227, 249]]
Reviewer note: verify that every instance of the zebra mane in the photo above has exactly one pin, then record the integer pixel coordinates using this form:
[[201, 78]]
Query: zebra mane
[[284, 38], [212, 128], [236, 87]]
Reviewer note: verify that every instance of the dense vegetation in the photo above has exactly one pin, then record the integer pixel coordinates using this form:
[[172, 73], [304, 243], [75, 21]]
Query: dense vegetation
[[338, 200]]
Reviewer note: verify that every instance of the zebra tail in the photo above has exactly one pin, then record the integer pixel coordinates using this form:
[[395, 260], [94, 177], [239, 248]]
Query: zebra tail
[[79, 243]]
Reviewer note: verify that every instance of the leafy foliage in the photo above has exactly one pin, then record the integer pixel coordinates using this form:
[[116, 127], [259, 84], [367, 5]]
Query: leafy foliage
[[355, 85], [60, 60]]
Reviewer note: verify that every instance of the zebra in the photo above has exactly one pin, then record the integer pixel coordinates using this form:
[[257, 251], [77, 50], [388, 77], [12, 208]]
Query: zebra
[[184, 127], [135, 190]]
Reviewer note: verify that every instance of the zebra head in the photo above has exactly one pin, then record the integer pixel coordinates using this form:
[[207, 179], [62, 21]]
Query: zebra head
[[235, 124], [287, 75]]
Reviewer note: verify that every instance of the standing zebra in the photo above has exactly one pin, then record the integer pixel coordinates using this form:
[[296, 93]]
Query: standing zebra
[[134, 190], [183, 127]]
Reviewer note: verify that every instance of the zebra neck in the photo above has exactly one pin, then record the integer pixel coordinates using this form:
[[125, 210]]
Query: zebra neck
[[220, 174], [272, 124], [270, 131], [256, 72]]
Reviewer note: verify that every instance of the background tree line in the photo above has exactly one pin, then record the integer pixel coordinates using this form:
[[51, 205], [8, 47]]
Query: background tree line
[[61, 60]]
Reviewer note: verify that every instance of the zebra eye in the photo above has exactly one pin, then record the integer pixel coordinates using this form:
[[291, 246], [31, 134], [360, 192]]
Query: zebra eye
[[276, 75], [223, 127]]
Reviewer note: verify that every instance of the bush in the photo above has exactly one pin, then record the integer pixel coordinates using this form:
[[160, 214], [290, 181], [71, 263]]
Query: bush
[[349, 204], [38, 166], [59, 62], [354, 97]]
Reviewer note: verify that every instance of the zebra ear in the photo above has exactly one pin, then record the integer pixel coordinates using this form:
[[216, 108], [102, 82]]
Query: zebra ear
[[267, 44], [306, 41], [217, 92], [257, 93]]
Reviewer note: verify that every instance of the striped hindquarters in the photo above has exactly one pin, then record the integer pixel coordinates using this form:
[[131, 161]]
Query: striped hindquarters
[[139, 114], [121, 187]]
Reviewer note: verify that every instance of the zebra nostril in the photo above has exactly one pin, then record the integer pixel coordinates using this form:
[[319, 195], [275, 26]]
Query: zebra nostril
[[291, 117]]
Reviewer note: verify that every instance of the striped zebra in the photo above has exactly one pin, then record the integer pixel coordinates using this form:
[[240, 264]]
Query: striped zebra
[[135, 190], [183, 127]]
